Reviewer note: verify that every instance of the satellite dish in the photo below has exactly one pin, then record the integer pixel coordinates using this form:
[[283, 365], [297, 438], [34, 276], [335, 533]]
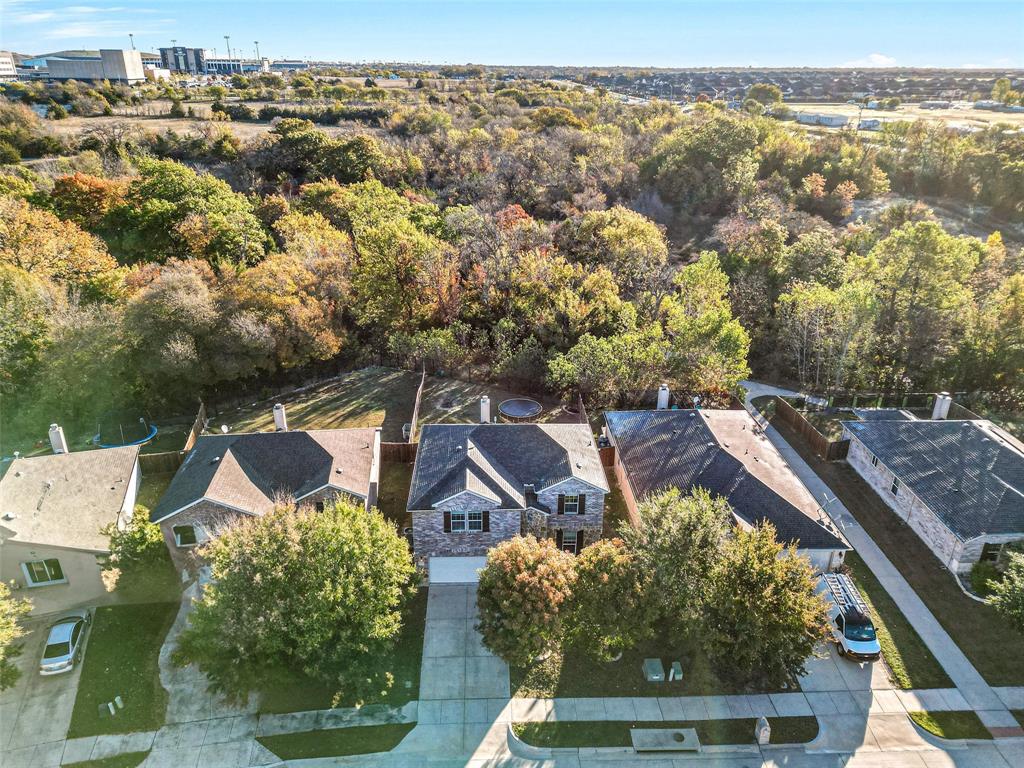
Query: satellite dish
[[224, 428]]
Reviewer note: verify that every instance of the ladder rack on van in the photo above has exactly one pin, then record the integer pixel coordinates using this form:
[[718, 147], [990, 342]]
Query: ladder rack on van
[[845, 593]]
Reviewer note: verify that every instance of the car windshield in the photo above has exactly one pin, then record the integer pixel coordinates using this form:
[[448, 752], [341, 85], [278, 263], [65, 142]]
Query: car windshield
[[863, 631], [55, 650]]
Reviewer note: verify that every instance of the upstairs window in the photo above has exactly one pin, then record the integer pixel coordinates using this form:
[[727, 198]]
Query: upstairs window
[[874, 460], [476, 521], [894, 489], [459, 522], [571, 505]]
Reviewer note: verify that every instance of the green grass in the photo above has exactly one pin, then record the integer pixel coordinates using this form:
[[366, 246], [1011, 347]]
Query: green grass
[[615, 513], [152, 488], [567, 672], [785, 730], [121, 659], [991, 644], [127, 760], [358, 740], [911, 663], [464, 397], [288, 691], [952, 725], [369, 397], [395, 478]]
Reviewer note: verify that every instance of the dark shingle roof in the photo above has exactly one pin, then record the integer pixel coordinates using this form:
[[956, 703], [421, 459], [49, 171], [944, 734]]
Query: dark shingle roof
[[964, 473], [679, 449], [250, 470], [498, 461]]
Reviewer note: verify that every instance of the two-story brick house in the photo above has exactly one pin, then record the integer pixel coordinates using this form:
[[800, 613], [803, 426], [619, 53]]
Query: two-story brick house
[[475, 485], [225, 477]]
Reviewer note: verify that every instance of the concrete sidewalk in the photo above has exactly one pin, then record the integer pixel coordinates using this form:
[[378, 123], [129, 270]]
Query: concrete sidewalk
[[978, 694]]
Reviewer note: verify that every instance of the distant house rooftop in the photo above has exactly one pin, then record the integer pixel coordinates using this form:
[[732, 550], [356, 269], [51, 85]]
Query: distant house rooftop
[[63, 500], [251, 471], [883, 414], [965, 472], [499, 461], [725, 453]]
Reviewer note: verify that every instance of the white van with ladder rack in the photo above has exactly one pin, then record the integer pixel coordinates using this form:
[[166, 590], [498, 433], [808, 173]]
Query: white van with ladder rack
[[849, 618]]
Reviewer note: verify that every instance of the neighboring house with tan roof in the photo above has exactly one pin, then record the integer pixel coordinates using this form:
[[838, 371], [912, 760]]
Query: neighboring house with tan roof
[[475, 485], [52, 509], [727, 454], [225, 477]]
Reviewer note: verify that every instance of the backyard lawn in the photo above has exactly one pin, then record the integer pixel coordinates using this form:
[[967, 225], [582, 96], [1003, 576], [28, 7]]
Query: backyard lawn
[[292, 692], [335, 742], [450, 401], [991, 644], [369, 397], [911, 663], [785, 730], [121, 659]]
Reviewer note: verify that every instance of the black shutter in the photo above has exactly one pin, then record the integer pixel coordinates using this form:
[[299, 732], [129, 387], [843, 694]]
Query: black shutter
[[582, 508], [558, 538], [579, 542], [447, 522], [487, 521], [561, 506]]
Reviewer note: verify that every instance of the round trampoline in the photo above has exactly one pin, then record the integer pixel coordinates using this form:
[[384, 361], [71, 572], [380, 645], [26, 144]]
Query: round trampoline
[[116, 430], [519, 409]]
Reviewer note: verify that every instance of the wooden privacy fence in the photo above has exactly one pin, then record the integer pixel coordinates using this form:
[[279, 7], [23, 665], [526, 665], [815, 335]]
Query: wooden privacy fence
[[398, 452], [607, 456], [197, 428], [160, 463], [827, 449], [416, 408]]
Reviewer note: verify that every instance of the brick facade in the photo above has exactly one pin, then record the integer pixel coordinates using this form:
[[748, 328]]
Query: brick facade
[[430, 538], [213, 517]]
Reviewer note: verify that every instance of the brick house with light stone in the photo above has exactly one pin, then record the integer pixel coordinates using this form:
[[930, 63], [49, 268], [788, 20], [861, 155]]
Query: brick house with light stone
[[958, 484], [475, 485], [226, 477]]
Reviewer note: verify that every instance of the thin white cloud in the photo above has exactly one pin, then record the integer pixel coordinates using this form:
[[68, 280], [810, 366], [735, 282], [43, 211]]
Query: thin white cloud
[[872, 60], [32, 17], [99, 28]]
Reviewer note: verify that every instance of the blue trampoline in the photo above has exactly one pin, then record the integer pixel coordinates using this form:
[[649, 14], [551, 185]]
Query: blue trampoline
[[115, 432]]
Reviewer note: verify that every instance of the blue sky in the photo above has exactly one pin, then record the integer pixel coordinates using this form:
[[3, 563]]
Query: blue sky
[[681, 33]]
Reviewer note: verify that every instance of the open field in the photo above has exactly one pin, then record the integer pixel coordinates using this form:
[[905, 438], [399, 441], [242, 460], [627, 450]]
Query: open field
[[956, 116]]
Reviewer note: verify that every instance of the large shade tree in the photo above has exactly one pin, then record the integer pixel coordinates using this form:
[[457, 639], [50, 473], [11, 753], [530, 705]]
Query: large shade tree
[[321, 592]]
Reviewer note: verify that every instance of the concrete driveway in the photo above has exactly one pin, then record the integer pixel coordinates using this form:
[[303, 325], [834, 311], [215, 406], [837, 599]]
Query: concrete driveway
[[35, 713]]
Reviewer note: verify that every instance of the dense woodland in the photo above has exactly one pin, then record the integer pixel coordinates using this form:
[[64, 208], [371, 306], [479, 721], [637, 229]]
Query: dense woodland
[[555, 238]]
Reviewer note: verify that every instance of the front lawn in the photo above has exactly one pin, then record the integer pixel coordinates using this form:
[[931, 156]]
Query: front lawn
[[911, 663], [369, 397], [991, 644], [567, 672], [785, 730], [952, 725], [335, 742], [289, 691], [121, 659]]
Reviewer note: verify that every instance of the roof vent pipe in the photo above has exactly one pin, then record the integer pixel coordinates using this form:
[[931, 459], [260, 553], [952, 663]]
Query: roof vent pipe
[[663, 394], [57, 441], [280, 419]]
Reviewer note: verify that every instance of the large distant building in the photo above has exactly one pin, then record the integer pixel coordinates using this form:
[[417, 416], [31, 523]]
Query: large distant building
[[116, 65], [190, 61], [8, 71], [223, 65]]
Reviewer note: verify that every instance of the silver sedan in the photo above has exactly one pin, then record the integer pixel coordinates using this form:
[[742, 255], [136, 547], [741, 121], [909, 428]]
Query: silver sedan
[[64, 643]]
